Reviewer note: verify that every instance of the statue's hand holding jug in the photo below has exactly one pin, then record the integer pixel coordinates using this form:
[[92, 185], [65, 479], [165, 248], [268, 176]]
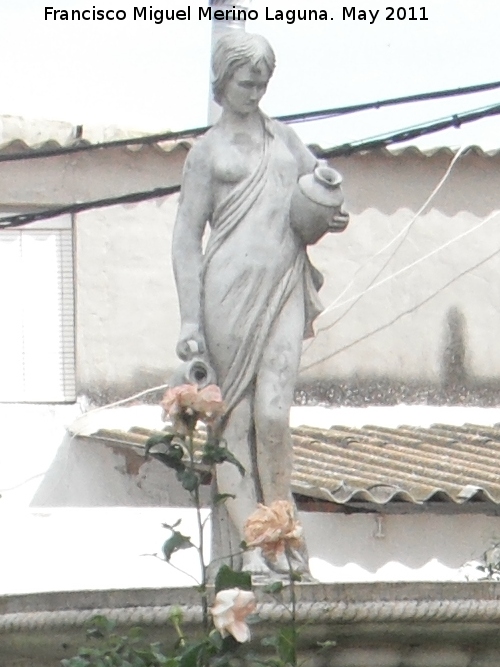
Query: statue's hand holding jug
[[195, 369], [316, 205]]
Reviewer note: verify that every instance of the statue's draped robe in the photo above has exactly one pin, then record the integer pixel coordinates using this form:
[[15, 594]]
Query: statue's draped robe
[[253, 263]]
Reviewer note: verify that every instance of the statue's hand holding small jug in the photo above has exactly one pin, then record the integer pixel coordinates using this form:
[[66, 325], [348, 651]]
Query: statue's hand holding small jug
[[316, 205], [196, 368]]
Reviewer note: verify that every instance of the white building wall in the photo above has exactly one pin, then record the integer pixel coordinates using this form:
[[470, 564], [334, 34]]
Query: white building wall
[[400, 332], [127, 310]]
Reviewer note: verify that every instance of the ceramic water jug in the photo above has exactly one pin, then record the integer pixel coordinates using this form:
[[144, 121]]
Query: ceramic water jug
[[195, 371], [316, 199]]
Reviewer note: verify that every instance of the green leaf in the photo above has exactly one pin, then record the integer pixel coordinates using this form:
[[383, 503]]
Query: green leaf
[[229, 645], [228, 578], [175, 542], [135, 635], [230, 458], [215, 638], [75, 662], [189, 480], [253, 619], [99, 627], [274, 588], [190, 656], [157, 439], [295, 576], [169, 453], [287, 645], [213, 454], [269, 641], [222, 497]]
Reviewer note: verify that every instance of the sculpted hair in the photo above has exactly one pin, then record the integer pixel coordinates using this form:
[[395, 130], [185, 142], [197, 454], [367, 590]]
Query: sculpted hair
[[234, 50]]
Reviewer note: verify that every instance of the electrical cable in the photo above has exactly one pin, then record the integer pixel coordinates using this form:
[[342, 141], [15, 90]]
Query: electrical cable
[[394, 101], [402, 233], [395, 319], [418, 261], [75, 431], [413, 132], [134, 197], [345, 149], [82, 145]]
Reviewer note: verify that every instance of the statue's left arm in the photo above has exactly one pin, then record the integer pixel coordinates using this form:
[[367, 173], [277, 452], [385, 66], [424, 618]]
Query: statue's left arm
[[306, 160]]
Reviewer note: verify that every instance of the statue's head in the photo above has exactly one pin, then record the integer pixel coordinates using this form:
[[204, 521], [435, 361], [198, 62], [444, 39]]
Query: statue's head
[[242, 65]]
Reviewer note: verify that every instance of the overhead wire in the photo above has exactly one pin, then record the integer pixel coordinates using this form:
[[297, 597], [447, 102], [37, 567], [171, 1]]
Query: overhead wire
[[412, 132], [395, 319], [344, 149], [402, 233], [21, 219], [399, 272], [82, 145]]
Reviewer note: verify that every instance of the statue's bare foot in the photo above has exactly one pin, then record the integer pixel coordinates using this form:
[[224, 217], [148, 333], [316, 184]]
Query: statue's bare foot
[[262, 572], [296, 563], [265, 571]]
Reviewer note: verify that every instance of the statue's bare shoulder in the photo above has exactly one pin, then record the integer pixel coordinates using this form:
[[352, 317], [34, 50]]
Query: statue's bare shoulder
[[305, 158], [200, 156]]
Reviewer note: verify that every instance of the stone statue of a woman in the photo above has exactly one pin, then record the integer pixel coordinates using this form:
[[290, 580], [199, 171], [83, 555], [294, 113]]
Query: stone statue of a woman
[[250, 297]]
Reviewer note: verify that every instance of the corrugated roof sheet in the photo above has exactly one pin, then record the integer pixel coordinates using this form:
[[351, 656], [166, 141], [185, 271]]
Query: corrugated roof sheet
[[20, 134], [378, 465]]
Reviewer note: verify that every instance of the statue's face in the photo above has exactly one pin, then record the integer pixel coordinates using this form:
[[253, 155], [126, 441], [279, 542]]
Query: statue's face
[[245, 89]]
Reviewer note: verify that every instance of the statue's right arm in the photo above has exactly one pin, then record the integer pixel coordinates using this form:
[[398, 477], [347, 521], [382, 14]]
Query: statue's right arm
[[195, 209]]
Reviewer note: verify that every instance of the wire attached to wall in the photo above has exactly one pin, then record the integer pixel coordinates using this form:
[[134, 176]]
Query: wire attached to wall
[[402, 233], [397, 273], [395, 319]]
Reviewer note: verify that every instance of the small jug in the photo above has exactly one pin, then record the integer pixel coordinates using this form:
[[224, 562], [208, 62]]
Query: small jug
[[195, 371], [317, 197]]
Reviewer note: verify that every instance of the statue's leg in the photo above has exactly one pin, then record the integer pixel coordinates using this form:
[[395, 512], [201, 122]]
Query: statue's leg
[[229, 518], [274, 397], [229, 479]]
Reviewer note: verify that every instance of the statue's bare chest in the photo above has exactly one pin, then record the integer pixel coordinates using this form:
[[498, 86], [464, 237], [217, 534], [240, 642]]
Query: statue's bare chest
[[237, 157]]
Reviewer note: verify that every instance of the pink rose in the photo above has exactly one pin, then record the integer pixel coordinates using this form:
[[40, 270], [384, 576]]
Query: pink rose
[[185, 404], [230, 610], [273, 529]]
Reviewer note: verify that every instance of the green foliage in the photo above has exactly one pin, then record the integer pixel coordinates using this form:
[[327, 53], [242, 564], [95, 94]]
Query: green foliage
[[287, 645], [213, 454], [324, 646], [175, 542], [162, 447], [274, 588], [228, 578], [189, 479], [220, 498], [106, 648]]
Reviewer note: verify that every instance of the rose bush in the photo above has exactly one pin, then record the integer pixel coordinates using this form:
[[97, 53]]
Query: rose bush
[[186, 404], [274, 528]]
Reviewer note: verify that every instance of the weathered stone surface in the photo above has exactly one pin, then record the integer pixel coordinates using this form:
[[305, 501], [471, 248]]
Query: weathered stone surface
[[248, 300]]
